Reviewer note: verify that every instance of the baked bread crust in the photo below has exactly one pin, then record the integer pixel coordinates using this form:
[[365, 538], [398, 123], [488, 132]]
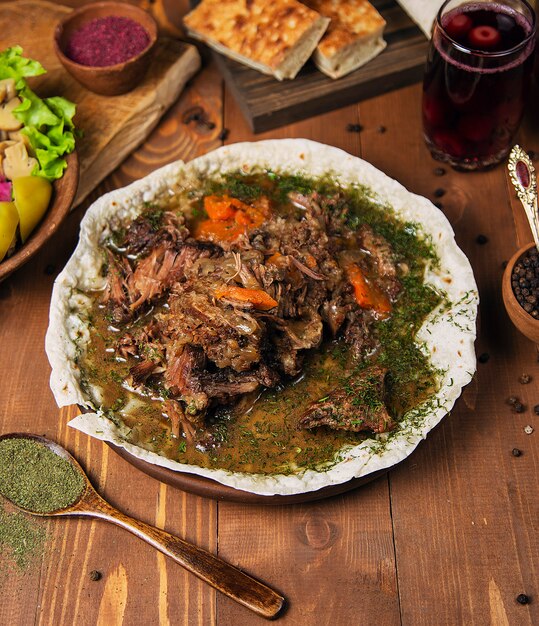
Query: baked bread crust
[[275, 37], [353, 37]]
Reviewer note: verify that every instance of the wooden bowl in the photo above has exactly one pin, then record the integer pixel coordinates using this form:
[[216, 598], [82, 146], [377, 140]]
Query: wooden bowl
[[528, 325], [111, 80], [63, 194]]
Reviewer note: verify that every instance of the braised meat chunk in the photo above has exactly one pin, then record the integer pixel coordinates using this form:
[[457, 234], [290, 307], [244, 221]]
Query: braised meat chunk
[[358, 405], [220, 306]]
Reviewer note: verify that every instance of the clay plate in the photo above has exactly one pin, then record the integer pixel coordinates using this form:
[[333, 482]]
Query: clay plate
[[63, 194]]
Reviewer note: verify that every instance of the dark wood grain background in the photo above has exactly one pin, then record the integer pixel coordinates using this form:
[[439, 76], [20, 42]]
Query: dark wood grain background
[[449, 537]]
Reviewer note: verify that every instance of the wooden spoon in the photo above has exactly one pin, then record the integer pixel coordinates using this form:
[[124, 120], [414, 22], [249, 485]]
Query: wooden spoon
[[221, 575]]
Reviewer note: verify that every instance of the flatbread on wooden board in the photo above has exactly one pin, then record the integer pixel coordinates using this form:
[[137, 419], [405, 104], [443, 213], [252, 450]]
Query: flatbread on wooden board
[[353, 37], [275, 37], [447, 336]]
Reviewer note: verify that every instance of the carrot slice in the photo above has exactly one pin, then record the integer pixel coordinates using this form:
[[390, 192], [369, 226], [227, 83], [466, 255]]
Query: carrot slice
[[275, 259], [242, 218], [367, 294], [222, 208], [210, 230], [228, 218], [260, 299]]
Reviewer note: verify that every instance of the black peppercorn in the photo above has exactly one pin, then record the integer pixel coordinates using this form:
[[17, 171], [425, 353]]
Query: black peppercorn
[[198, 115], [481, 240], [50, 269], [483, 358], [382, 129], [536, 409], [522, 598], [518, 407], [439, 193], [95, 575], [516, 452], [223, 135], [354, 128], [194, 114], [525, 282]]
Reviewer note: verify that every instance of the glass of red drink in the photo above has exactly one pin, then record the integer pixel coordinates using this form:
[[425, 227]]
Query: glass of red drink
[[477, 79]]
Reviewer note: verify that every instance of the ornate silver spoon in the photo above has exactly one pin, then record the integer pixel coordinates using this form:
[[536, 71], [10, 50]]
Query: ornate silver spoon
[[524, 179]]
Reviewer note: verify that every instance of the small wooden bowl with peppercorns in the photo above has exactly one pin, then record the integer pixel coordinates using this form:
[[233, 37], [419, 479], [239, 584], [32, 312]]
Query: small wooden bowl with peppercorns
[[106, 46], [520, 291]]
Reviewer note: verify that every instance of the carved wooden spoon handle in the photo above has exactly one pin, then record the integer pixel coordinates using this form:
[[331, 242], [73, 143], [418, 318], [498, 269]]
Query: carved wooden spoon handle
[[218, 573]]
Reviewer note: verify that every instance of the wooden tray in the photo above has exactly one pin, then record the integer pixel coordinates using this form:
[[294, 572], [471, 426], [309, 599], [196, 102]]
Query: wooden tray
[[112, 126], [268, 103], [201, 486]]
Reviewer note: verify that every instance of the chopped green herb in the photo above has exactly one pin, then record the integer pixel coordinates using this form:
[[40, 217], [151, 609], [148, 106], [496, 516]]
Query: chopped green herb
[[21, 540], [35, 478]]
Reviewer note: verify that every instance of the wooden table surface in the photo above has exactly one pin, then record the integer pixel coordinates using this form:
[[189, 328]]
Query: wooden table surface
[[448, 537]]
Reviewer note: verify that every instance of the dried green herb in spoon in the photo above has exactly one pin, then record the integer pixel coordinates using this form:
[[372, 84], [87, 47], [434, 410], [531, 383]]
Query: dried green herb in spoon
[[35, 478]]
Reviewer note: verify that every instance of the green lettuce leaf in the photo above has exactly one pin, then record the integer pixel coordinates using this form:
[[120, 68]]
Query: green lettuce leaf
[[48, 123], [63, 140], [62, 108], [51, 166], [33, 111], [13, 65]]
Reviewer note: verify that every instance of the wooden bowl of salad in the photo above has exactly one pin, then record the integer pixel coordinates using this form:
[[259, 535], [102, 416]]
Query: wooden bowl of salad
[[39, 168], [63, 194]]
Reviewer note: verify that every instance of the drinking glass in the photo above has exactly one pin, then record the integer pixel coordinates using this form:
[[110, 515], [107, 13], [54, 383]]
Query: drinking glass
[[477, 79]]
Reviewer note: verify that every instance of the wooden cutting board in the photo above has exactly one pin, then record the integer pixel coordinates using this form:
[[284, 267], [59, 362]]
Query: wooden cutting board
[[112, 126], [268, 103]]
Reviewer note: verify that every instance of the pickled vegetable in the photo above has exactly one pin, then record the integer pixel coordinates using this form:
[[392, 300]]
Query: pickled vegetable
[[9, 219], [32, 195]]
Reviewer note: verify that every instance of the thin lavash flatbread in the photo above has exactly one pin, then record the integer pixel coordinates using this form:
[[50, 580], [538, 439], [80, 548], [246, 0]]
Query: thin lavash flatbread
[[423, 12], [448, 334]]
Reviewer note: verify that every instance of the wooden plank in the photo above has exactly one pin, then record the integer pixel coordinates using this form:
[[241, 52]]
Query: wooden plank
[[112, 127], [267, 103], [333, 560], [460, 504], [175, 139]]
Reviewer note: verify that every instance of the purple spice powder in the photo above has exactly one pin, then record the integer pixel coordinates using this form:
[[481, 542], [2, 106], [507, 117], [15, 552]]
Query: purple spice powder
[[107, 41]]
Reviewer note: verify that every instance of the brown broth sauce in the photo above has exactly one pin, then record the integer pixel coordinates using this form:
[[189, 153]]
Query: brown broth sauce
[[261, 437], [261, 434]]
